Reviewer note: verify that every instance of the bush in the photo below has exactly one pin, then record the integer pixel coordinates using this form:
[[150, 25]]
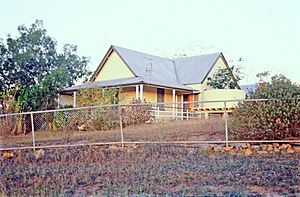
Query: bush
[[275, 119], [136, 114]]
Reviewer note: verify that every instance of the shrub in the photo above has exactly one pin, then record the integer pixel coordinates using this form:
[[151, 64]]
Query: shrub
[[104, 118], [275, 119], [8, 126], [136, 114]]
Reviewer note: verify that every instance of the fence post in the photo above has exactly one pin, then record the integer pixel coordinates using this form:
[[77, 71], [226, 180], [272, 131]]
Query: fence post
[[32, 131], [158, 113], [121, 126], [187, 114], [181, 107], [226, 124]]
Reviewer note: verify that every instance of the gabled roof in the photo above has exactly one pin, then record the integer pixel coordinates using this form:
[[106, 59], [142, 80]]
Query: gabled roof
[[128, 81], [189, 70], [148, 66], [194, 69]]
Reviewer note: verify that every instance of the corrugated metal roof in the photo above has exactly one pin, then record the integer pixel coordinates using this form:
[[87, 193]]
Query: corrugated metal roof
[[192, 70], [148, 66], [187, 70], [128, 81], [159, 71]]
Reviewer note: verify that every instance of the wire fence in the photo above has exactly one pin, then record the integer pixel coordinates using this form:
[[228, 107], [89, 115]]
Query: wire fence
[[201, 122]]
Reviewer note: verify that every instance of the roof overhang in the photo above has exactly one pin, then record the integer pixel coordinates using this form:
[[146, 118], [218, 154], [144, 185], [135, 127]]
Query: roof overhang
[[125, 82]]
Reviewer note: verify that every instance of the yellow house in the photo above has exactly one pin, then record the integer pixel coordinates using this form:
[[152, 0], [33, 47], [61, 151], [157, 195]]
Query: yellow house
[[155, 79]]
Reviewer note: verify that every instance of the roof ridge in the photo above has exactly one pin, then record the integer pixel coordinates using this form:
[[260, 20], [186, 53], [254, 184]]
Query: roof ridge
[[116, 47], [206, 54], [176, 74]]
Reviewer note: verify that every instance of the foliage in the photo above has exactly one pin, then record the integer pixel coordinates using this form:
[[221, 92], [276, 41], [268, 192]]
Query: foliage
[[98, 96], [136, 114], [32, 68], [277, 118], [225, 78]]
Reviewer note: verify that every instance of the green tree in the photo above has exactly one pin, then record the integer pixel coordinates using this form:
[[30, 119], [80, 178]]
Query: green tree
[[34, 71], [225, 78]]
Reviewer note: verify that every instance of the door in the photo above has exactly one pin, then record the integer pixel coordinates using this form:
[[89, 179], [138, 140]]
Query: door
[[160, 98], [185, 105]]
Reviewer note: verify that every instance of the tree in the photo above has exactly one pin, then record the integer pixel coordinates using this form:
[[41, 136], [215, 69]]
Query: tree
[[34, 72], [225, 78]]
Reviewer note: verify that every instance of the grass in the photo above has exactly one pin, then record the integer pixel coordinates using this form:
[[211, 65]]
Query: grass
[[199, 129], [145, 170], [166, 170]]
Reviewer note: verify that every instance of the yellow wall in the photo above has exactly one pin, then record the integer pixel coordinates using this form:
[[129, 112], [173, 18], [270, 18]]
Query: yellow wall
[[127, 95], [150, 94], [66, 99], [199, 87], [221, 94], [220, 64], [113, 68]]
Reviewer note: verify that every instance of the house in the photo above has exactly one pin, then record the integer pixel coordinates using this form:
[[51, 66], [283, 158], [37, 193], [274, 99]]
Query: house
[[154, 79]]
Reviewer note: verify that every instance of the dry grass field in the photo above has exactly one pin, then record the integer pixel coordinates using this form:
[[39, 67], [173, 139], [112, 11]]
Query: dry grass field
[[198, 129], [143, 170], [149, 170]]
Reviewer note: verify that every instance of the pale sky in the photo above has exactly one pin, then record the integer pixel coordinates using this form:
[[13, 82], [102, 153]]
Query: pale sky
[[265, 33]]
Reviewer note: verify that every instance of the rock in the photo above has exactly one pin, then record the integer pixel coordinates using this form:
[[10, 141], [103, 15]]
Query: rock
[[82, 127], [270, 148], [248, 152], [255, 147], [8, 155], [276, 150], [290, 151], [297, 149], [227, 148], [218, 149], [39, 153], [289, 146], [233, 151], [276, 145], [262, 152], [247, 145], [282, 147], [263, 147], [210, 148]]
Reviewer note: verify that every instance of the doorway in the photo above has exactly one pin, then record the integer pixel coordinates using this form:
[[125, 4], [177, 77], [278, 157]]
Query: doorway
[[160, 98]]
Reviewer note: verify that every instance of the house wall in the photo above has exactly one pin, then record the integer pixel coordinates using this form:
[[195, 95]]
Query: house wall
[[113, 68], [200, 87], [220, 64], [127, 94], [65, 99], [221, 94]]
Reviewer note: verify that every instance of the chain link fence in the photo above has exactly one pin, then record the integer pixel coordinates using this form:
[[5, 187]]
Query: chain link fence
[[182, 122]]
